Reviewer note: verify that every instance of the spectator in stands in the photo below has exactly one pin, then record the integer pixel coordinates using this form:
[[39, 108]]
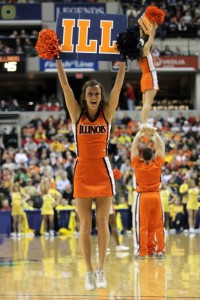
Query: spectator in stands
[[30, 145], [172, 27], [28, 48], [40, 133], [131, 11], [21, 157], [177, 51], [14, 105], [63, 183], [156, 52], [4, 106], [4, 205], [51, 130], [45, 167], [182, 25], [56, 145], [176, 213], [9, 164], [167, 51], [129, 94]]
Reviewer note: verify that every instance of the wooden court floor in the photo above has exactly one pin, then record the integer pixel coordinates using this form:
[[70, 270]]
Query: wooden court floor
[[33, 268]]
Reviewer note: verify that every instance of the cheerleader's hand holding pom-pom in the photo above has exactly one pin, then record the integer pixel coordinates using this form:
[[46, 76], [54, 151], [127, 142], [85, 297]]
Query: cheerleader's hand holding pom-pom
[[129, 44], [47, 45], [155, 14]]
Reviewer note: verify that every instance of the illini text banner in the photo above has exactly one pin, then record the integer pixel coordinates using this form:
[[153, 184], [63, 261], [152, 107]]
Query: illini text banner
[[90, 36]]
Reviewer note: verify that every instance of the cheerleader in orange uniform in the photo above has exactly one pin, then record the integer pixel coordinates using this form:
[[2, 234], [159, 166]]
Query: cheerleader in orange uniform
[[137, 45], [149, 80], [93, 176]]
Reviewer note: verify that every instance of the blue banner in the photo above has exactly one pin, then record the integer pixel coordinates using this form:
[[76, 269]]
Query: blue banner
[[92, 8], [69, 66], [30, 12], [89, 36]]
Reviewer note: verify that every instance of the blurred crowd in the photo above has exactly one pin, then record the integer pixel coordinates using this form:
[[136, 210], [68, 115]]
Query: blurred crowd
[[182, 17], [44, 103], [48, 151], [21, 41]]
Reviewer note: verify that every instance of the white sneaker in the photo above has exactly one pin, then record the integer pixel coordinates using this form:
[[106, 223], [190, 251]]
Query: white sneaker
[[90, 281], [122, 248], [172, 231], [13, 234], [19, 234], [101, 282], [51, 232], [46, 234]]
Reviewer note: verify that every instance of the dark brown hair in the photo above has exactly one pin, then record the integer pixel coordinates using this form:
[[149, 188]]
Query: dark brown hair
[[84, 87], [147, 153]]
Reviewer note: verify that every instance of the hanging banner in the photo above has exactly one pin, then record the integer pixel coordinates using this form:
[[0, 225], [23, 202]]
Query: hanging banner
[[69, 66], [90, 36], [20, 12], [91, 8], [175, 63]]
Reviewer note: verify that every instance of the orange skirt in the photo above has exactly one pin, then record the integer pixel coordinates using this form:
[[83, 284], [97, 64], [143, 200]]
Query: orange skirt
[[93, 178], [149, 81]]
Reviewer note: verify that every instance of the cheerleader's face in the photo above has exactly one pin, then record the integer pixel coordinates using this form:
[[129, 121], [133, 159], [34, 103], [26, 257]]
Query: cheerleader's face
[[93, 97], [16, 188]]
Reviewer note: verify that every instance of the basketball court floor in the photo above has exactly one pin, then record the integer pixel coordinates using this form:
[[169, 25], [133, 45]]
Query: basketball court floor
[[33, 268]]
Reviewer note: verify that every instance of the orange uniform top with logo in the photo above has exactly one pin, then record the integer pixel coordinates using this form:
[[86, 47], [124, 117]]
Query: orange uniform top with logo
[[148, 176], [93, 175], [92, 137], [149, 80]]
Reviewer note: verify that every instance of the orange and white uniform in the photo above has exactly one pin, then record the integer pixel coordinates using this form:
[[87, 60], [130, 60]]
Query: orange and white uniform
[[149, 80], [148, 216], [93, 175]]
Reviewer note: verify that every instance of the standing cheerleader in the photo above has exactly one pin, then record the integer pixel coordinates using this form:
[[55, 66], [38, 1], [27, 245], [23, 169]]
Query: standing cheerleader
[[18, 198], [192, 205], [47, 210]]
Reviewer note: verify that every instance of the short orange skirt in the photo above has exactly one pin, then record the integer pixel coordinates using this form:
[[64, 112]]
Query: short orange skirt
[[149, 81], [93, 178]]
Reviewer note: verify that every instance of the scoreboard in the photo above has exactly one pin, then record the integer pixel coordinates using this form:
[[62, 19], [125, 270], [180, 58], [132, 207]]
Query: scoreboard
[[14, 64]]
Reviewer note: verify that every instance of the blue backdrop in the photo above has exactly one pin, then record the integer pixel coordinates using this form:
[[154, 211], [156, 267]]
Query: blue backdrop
[[120, 23]]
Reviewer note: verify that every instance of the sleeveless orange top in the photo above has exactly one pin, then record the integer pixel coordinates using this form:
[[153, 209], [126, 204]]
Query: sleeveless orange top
[[91, 137]]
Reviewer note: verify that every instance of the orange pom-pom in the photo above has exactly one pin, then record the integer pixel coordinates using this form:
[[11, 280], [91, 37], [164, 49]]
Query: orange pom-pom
[[155, 14], [47, 45], [117, 174]]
